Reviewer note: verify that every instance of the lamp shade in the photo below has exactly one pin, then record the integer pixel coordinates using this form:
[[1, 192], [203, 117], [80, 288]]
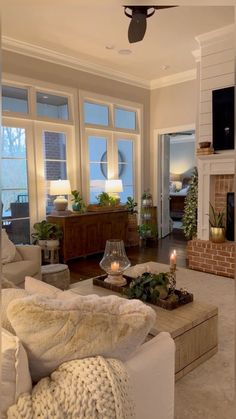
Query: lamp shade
[[113, 185], [59, 187]]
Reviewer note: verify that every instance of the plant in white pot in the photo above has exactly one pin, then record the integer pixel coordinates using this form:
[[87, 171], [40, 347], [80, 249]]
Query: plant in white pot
[[217, 226], [46, 234]]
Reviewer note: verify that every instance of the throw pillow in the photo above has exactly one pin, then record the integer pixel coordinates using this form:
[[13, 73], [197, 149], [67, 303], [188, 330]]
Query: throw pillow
[[8, 295], [15, 377], [54, 331], [8, 248]]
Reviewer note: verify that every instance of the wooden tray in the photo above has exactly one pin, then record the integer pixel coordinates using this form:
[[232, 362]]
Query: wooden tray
[[105, 208], [166, 304]]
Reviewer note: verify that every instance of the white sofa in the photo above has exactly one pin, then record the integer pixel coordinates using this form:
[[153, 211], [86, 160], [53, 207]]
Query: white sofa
[[151, 368], [27, 262]]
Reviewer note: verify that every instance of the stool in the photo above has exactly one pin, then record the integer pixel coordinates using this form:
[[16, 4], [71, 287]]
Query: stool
[[56, 274]]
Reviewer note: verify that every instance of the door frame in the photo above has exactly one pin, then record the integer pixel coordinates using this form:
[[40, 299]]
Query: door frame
[[157, 175]]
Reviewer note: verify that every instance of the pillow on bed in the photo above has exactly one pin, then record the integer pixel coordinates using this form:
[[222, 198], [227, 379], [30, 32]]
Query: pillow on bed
[[54, 331]]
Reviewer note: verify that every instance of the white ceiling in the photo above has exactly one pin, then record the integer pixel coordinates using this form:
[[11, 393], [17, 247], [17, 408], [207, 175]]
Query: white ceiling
[[83, 28]]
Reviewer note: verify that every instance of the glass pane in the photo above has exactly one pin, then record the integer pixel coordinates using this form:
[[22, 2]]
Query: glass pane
[[14, 99], [55, 145], [52, 106], [125, 119], [15, 203], [127, 191], [14, 173], [96, 114], [55, 170], [18, 230], [98, 171], [126, 174], [13, 142], [125, 149], [97, 149]]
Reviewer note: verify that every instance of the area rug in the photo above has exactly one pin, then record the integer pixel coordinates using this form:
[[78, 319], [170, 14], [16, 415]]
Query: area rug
[[208, 391]]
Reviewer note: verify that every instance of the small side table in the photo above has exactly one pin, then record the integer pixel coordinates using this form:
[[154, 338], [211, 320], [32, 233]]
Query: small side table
[[56, 274]]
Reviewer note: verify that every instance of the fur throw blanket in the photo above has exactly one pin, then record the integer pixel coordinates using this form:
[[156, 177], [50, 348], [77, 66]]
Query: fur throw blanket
[[90, 388]]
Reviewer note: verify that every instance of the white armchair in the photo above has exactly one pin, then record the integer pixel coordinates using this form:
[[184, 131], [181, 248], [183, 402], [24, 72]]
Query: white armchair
[[27, 262]]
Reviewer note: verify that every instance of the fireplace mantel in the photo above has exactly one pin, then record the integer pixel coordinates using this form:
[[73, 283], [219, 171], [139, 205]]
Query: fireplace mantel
[[208, 166]]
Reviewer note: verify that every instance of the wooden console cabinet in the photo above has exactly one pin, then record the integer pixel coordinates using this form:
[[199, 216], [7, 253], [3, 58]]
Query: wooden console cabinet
[[86, 234]]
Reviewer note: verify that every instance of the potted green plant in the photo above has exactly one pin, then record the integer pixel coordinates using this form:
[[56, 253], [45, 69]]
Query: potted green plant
[[78, 204], [217, 227], [146, 198], [149, 287], [131, 205], [147, 231], [105, 200], [46, 234], [132, 228]]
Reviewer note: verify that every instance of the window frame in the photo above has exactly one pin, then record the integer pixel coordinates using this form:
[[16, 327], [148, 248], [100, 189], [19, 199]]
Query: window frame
[[113, 133], [35, 125]]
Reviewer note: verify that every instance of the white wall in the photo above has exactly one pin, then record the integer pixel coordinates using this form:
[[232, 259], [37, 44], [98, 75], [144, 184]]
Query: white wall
[[216, 72], [182, 156]]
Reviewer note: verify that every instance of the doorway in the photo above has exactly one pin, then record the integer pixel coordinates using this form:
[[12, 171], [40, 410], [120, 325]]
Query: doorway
[[176, 160]]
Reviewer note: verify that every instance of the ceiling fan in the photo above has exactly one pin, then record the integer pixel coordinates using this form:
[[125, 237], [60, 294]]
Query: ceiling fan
[[138, 24]]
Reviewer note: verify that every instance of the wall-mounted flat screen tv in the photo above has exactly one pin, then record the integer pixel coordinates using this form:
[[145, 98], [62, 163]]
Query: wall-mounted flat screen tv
[[223, 118]]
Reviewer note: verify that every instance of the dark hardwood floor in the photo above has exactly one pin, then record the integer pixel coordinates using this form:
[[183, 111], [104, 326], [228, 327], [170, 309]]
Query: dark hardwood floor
[[88, 267]]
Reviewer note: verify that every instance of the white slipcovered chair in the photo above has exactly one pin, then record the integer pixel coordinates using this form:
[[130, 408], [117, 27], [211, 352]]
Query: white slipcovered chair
[[27, 261]]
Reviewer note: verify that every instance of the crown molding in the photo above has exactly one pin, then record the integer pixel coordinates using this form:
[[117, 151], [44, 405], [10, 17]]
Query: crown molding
[[41, 53], [208, 38], [54, 57], [174, 79], [197, 55]]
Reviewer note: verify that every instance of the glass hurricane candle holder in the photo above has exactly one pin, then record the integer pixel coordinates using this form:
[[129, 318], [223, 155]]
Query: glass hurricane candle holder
[[114, 262]]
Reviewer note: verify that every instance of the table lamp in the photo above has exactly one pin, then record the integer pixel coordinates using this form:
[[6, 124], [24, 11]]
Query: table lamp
[[113, 187], [60, 188]]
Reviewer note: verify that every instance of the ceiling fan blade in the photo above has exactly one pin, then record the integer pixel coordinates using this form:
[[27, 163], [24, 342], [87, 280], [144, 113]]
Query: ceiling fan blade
[[137, 27], [163, 7]]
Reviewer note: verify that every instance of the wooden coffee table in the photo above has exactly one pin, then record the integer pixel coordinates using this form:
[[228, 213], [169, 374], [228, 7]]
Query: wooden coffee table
[[192, 326]]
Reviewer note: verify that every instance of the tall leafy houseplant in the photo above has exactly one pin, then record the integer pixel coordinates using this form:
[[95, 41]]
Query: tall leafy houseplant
[[190, 207]]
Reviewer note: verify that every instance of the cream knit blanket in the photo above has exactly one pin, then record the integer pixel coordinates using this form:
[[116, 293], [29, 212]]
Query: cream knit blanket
[[90, 388]]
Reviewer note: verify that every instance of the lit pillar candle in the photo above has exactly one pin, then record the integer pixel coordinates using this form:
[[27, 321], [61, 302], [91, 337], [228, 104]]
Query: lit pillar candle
[[115, 266], [175, 256], [172, 258]]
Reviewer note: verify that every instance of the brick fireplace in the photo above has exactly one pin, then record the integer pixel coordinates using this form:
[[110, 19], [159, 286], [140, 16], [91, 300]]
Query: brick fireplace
[[216, 178]]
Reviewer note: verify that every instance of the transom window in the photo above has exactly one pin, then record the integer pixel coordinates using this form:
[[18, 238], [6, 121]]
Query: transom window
[[52, 106], [14, 99]]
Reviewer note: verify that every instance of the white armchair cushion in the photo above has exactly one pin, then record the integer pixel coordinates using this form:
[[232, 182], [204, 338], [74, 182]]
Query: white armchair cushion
[[55, 331], [15, 377], [8, 295], [8, 248], [34, 286], [17, 271]]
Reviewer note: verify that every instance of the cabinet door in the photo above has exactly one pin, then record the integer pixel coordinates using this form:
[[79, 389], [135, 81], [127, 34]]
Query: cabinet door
[[92, 236]]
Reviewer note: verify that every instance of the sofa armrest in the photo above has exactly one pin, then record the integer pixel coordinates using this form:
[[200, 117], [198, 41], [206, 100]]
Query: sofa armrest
[[152, 374], [30, 252]]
